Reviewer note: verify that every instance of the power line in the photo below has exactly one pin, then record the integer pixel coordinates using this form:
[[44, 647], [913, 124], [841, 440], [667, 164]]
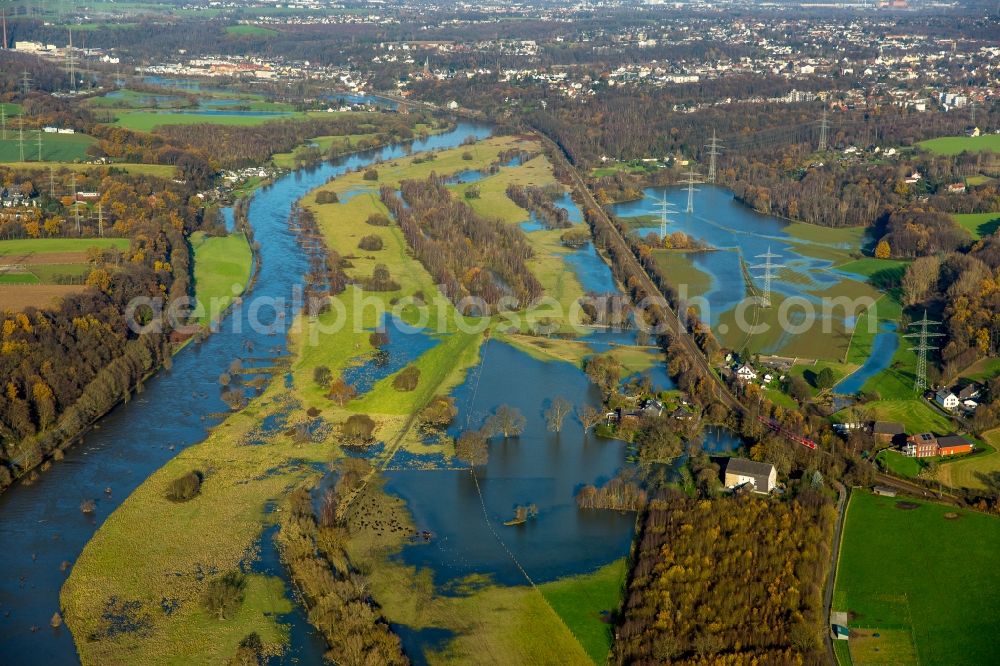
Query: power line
[[714, 150], [691, 179], [922, 335], [25, 83], [664, 207], [20, 135], [824, 125], [768, 266]]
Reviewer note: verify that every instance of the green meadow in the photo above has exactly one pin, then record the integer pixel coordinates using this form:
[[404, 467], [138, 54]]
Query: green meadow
[[222, 266], [923, 577], [953, 145]]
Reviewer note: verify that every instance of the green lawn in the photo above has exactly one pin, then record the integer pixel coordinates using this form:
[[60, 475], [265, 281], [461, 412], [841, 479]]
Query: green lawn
[[18, 278], [146, 121], [252, 30], [901, 465], [44, 245], [55, 147], [978, 224], [157, 170], [585, 604], [953, 145], [222, 266], [980, 470], [925, 579]]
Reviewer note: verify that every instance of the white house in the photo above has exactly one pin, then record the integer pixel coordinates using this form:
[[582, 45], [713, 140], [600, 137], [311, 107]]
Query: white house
[[760, 475], [452, 105], [946, 399], [746, 373]]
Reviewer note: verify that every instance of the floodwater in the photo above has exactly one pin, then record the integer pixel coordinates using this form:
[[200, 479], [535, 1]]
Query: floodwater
[[735, 231], [883, 347], [539, 467], [41, 525]]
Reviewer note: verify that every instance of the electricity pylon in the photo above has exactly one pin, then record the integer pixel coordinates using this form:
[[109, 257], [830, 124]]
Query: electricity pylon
[[664, 207], [20, 136], [714, 150], [690, 179], [38, 134], [824, 125], [768, 267], [922, 336]]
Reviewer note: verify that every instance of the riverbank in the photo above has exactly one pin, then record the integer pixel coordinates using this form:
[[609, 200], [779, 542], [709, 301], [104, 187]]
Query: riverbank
[[287, 437]]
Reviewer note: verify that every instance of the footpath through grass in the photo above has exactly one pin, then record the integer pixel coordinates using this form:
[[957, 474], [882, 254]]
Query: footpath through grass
[[924, 577]]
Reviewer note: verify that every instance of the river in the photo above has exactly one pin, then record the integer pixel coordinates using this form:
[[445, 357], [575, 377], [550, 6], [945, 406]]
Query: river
[[41, 525]]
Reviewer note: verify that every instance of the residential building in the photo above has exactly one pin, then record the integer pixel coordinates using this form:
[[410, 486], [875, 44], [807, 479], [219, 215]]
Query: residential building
[[746, 373], [923, 445], [740, 471], [946, 399]]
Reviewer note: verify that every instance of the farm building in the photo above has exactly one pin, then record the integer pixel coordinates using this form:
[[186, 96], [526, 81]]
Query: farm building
[[884, 491], [740, 471], [886, 431], [951, 445], [926, 445]]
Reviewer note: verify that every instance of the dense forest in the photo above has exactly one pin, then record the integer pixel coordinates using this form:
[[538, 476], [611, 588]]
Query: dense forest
[[65, 366], [466, 253], [762, 603]]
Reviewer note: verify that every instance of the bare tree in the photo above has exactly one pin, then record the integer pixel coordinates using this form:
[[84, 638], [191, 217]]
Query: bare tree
[[556, 413], [471, 447], [589, 417], [507, 421]]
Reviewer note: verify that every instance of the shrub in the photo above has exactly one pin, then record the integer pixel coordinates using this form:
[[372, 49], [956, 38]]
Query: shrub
[[371, 243], [378, 339], [439, 413], [378, 220], [358, 429], [467, 156], [327, 197], [371, 174], [225, 595], [381, 280], [408, 379], [322, 375], [185, 487]]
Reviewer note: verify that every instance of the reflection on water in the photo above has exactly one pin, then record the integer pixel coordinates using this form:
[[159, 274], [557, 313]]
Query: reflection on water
[[539, 467]]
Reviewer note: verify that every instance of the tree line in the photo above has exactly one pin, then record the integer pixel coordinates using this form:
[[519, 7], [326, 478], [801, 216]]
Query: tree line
[[469, 254]]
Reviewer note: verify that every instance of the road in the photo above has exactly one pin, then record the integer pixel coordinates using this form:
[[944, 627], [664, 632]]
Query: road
[[838, 528]]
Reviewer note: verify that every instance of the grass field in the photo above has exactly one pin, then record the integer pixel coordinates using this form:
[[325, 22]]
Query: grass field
[[158, 170], [29, 246], [978, 224], [250, 30], [55, 147], [979, 471], [924, 579], [222, 266], [147, 121], [953, 145], [585, 604], [680, 270], [901, 465]]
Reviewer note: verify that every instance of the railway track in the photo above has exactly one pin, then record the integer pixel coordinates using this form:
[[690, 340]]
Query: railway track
[[722, 392]]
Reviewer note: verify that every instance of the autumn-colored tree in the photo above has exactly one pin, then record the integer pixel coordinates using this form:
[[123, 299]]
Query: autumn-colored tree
[[882, 250]]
